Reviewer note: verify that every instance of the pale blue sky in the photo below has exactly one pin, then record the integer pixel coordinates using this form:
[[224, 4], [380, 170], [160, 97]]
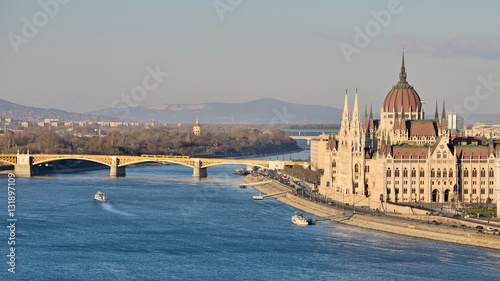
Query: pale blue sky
[[92, 52]]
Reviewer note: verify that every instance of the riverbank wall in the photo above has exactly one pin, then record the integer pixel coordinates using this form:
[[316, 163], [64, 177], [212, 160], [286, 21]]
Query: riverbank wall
[[409, 225]]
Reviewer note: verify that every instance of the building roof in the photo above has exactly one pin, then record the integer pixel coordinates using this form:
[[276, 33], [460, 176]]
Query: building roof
[[402, 95], [410, 152], [473, 151], [422, 128]]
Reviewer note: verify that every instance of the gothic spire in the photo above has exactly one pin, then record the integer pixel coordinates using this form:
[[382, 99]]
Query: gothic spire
[[402, 74], [346, 107], [365, 123], [403, 119], [356, 107], [436, 115], [371, 124], [443, 119], [444, 112]]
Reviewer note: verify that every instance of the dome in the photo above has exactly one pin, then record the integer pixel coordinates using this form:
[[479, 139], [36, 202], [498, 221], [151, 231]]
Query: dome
[[402, 95]]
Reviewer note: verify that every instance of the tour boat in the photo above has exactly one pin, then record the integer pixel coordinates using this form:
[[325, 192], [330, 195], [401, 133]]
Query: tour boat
[[99, 196], [300, 219]]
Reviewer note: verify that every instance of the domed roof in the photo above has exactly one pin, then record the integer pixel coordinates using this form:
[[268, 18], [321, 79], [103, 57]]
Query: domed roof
[[402, 95]]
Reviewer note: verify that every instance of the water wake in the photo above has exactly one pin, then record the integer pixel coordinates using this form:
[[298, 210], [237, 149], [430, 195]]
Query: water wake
[[110, 208]]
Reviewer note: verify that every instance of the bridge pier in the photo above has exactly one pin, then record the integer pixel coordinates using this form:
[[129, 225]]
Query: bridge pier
[[115, 171], [198, 171], [24, 167]]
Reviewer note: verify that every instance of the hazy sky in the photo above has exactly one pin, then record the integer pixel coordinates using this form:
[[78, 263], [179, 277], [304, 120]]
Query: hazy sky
[[88, 55]]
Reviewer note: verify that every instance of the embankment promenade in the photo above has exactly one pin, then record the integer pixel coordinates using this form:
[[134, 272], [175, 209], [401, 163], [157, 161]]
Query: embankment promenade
[[409, 225]]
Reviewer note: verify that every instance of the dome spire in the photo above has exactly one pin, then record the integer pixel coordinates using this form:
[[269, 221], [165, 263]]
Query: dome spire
[[402, 74]]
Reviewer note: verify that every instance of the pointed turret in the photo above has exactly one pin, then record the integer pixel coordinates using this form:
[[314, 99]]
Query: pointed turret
[[356, 118], [443, 119], [436, 115], [397, 126], [356, 107], [365, 123], [371, 124], [396, 119], [346, 106], [346, 123], [403, 120]]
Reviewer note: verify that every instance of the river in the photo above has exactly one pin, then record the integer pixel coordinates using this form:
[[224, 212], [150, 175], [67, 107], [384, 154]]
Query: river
[[161, 224]]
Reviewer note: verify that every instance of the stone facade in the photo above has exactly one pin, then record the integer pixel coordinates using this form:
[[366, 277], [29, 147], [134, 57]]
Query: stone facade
[[405, 158]]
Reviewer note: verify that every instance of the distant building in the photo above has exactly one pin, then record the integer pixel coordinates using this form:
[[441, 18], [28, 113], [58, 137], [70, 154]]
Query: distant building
[[455, 122], [460, 123], [484, 131], [25, 124], [197, 128], [452, 122]]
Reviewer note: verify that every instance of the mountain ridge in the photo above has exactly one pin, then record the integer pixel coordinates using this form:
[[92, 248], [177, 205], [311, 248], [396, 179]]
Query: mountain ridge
[[268, 110]]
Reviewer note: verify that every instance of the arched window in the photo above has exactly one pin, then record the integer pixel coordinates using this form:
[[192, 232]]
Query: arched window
[[396, 173], [356, 168], [466, 173], [439, 155], [389, 174], [451, 173], [422, 172], [492, 174], [445, 155], [413, 173], [334, 164], [439, 173], [474, 173], [444, 173], [433, 173], [405, 173], [483, 173]]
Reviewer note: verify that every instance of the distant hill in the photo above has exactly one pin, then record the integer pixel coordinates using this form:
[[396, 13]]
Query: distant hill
[[261, 111], [27, 113]]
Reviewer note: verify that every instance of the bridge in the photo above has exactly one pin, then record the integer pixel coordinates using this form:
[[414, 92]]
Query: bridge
[[308, 134], [307, 138], [25, 165]]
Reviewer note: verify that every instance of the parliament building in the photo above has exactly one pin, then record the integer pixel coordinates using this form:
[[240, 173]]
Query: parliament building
[[404, 157]]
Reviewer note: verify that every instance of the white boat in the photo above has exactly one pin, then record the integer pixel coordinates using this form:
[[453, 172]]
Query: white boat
[[300, 219], [99, 196]]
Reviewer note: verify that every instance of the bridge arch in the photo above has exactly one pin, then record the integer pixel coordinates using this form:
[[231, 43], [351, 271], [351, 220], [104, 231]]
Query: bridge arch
[[261, 165], [9, 159], [49, 160], [155, 161]]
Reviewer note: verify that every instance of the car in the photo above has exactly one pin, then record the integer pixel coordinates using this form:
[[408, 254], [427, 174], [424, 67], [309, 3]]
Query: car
[[479, 227], [457, 216], [434, 222], [490, 228], [463, 226], [454, 225], [480, 215]]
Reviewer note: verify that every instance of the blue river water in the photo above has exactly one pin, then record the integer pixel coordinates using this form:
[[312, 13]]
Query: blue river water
[[161, 224]]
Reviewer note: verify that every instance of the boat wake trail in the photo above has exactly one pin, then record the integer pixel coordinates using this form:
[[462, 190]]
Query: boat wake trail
[[112, 209]]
